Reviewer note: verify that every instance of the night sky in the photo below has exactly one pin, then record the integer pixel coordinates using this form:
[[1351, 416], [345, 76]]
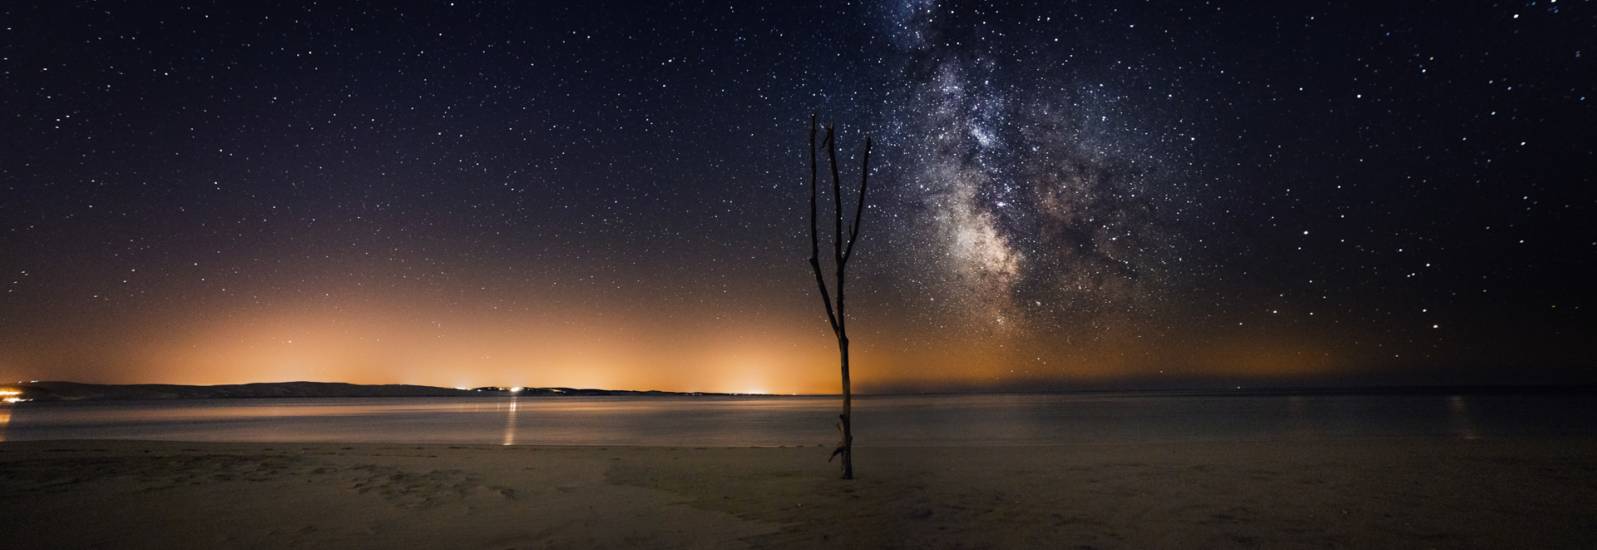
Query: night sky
[[1064, 195]]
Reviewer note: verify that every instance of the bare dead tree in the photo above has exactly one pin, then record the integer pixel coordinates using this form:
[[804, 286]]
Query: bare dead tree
[[841, 252]]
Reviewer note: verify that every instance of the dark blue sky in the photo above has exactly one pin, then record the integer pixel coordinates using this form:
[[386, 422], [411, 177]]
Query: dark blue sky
[[1157, 194]]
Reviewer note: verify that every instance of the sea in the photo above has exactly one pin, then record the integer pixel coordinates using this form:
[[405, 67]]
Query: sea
[[909, 420]]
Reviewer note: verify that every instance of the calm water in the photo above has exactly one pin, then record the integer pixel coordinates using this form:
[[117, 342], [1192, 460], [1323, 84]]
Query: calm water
[[880, 421]]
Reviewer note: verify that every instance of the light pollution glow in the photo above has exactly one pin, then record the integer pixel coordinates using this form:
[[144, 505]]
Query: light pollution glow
[[771, 351]]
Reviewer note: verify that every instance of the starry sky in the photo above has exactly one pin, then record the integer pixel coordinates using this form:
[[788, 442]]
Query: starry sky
[[1064, 194]]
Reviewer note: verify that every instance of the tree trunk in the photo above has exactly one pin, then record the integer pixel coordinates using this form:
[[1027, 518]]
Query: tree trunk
[[837, 315], [848, 412]]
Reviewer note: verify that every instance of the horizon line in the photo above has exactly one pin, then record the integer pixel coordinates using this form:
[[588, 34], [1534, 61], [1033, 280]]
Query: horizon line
[[949, 390]]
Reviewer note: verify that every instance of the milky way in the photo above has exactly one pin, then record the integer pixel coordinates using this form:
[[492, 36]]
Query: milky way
[[1044, 204]]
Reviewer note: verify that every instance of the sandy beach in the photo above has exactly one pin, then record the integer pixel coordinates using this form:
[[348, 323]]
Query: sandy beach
[[1408, 493]]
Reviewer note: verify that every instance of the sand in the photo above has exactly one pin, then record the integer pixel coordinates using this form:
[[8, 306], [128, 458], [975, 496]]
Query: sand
[[1365, 493]]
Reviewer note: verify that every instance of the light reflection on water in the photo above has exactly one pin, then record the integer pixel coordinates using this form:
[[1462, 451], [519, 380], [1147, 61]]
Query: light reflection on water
[[510, 421], [880, 421], [1458, 416]]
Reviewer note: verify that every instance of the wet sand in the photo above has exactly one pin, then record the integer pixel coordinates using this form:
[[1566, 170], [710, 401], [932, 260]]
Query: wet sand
[[1360, 493]]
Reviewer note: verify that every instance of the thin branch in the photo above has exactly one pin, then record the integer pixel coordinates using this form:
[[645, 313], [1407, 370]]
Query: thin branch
[[859, 207], [837, 198], [815, 246], [837, 231]]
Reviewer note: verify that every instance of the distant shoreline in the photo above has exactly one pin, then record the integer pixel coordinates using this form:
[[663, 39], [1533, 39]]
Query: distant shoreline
[[62, 391], [59, 391]]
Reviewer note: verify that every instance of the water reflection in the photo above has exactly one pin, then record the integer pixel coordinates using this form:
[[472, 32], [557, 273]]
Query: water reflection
[[1298, 420], [806, 421], [1458, 418], [510, 421]]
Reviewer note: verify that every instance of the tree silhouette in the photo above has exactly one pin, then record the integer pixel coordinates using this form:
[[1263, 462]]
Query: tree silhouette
[[842, 252]]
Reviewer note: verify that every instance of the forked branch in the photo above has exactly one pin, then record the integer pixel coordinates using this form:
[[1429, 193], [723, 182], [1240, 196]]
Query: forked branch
[[859, 206], [836, 312]]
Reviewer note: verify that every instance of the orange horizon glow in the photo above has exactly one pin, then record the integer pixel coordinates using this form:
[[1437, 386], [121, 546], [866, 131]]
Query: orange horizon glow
[[760, 336], [374, 342]]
